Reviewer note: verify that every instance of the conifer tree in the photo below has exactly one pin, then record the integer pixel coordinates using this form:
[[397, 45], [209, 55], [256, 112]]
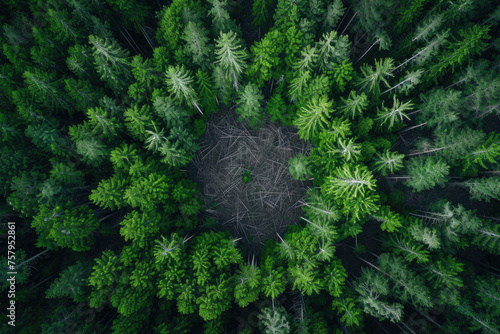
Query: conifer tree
[[196, 37], [64, 226], [260, 11], [388, 162], [426, 173], [372, 77], [274, 321], [71, 282], [313, 118], [248, 281], [265, 57], [388, 117], [249, 106], [230, 57], [180, 85], [111, 62], [484, 189], [298, 167], [354, 105]]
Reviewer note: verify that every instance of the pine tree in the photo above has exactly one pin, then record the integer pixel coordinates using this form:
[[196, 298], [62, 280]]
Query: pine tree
[[484, 189], [273, 279], [350, 314], [469, 43], [334, 11], [298, 167], [488, 237], [111, 62], [71, 282], [407, 285], [92, 150], [354, 105], [335, 277], [407, 247], [371, 287], [46, 89], [440, 108], [388, 117], [248, 284], [485, 154], [82, 94], [274, 321], [249, 106], [313, 118], [388, 162], [260, 11], [180, 85], [196, 37], [80, 61], [426, 173], [139, 227], [64, 226], [137, 120], [444, 275], [331, 50], [109, 193], [173, 114], [349, 182], [372, 77], [305, 279], [390, 221], [230, 57], [265, 57], [62, 26], [204, 87], [298, 85]]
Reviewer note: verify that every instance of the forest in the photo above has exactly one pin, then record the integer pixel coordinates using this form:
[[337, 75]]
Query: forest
[[264, 166]]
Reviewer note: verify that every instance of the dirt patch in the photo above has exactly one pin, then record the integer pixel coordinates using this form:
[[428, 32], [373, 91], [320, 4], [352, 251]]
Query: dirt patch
[[264, 203]]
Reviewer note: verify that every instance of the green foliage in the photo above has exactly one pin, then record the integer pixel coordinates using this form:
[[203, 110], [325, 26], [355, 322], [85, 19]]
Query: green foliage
[[373, 76], [389, 220], [180, 85], [111, 62], [354, 105], [71, 282], [248, 284], [388, 162], [274, 321], [249, 106], [231, 58], [350, 314], [196, 37], [298, 167], [470, 42], [260, 11], [265, 56], [349, 183], [109, 193], [64, 226], [388, 117], [335, 278], [484, 189], [408, 286], [99, 124], [314, 117], [205, 93], [426, 173]]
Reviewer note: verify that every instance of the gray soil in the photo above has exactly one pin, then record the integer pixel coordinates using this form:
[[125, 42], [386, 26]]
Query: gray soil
[[269, 203]]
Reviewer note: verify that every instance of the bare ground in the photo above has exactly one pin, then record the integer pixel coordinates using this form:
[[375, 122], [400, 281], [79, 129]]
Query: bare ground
[[268, 204]]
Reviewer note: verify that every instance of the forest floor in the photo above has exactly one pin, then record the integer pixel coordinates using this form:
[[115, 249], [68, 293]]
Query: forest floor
[[267, 204]]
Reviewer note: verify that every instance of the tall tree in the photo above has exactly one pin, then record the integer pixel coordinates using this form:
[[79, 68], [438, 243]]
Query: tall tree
[[231, 57]]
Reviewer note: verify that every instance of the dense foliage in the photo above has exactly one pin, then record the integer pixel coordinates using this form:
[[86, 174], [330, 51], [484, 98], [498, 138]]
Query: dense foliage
[[103, 103]]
